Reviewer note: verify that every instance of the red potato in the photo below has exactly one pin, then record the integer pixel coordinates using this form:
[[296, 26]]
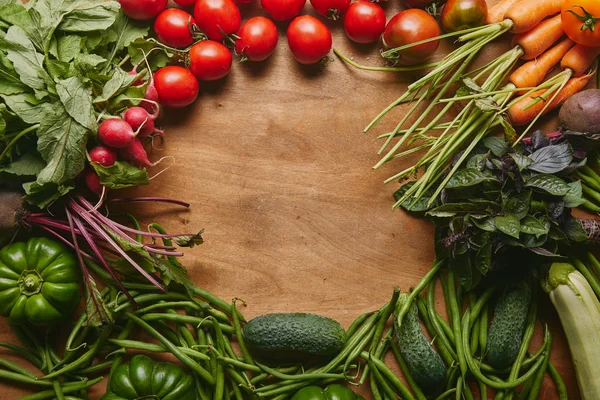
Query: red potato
[[142, 10], [364, 22], [309, 39], [103, 155], [209, 60], [217, 18], [257, 39], [282, 10], [174, 27], [116, 133], [176, 86]]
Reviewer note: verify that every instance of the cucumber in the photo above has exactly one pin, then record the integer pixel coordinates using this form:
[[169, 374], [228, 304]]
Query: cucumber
[[423, 362], [293, 337], [508, 323]]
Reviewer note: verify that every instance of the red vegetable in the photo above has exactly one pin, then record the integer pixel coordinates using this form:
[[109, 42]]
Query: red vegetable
[[173, 27], [115, 132], [458, 15], [217, 18], [135, 154], [136, 117], [408, 27], [92, 181], [142, 9], [176, 86], [209, 60], [152, 104], [364, 22], [185, 3], [257, 39], [333, 9], [282, 10], [103, 155], [309, 39]]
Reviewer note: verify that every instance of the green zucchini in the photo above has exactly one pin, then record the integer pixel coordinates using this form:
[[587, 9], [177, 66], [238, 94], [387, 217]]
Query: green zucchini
[[506, 331], [293, 337], [423, 362]]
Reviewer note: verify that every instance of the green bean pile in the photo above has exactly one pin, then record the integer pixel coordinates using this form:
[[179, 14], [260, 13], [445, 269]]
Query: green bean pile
[[590, 182]]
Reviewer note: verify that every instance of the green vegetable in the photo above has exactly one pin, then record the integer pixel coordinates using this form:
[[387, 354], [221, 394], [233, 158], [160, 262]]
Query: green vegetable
[[579, 312], [506, 331], [293, 337], [424, 363], [39, 281], [143, 378], [331, 392]]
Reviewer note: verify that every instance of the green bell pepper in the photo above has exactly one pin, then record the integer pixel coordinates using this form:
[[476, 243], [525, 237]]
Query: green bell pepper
[[143, 378], [39, 281], [331, 392]]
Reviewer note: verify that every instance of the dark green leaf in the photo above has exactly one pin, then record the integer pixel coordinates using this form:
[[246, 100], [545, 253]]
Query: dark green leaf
[[487, 104], [574, 198], [548, 183], [510, 135], [88, 15], [467, 177], [124, 31], [42, 195], [121, 175], [119, 82], [410, 204], [580, 230], [27, 107], [58, 69], [96, 309], [453, 209], [66, 47], [508, 224], [189, 240], [532, 226], [518, 204], [9, 79], [485, 224], [498, 146], [468, 276], [28, 165], [156, 58], [540, 251], [551, 159], [483, 258], [77, 100], [477, 162], [522, 161]]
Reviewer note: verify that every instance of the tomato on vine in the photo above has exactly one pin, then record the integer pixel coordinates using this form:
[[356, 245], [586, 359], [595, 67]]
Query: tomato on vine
[[411, 26], [210, 60], [364, 22], [175, 27], [217, 18], [309, 39], [332, 9], [282, 10], [256, 39], [581, 21]]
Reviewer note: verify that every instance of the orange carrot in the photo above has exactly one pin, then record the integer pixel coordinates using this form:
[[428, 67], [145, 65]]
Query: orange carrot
[[526, 14], [519, 116], [533, 72], [579, 59], [497, 12], [540, 38]]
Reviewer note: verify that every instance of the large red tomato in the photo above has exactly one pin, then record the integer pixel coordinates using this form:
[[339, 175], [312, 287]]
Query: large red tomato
[[309, 39], [173, 27], [257, 39], [364, 22], [581, 21], [411, 26]]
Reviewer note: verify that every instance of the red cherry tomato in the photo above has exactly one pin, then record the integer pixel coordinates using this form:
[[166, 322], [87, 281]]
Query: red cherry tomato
[[309, 39], [217, 18], [257, 39], [282, 10], [463, 14], [176, 86], [333, 9], [364, 22], [408, 27], [142, 9], [186, 3], [209, 60], [173, 27]]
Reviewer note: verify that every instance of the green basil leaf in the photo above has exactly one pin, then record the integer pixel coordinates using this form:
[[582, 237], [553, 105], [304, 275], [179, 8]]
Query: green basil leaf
[[121, 175], [468, 276], [497, 146], [519, 204], [579, 230], [485, 224], [409, 204], [477, 162], [540, 251], [548, 183], [467, 177], [452, 209], [552, 159], [508, 224], [483, 258], [522, 161], [77, 100], [574, 198], [510, 134], [532, 226], [487, 104]]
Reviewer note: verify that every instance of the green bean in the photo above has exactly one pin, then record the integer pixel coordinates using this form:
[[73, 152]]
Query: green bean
[[429, 276], [589, 206], [219, 383], [382, 383], [124, 334], [152, 298], [238, 363], [453, 374], [66, 388], [591, 278], [213, 360], [55, 382], [30, 342], [16, 368], [18, 377], [467, 392], [482, 390], [561, 389], [594, 261], [446, 327], [95, 368], [185, 319], [220, 303], [489, 369], [474, 345], [459, 388], [390, 376], [157, 348], [358, 349], [444, 285], [357, 322], [88, 356], [439, 332], [27, 354], [185, 359], [374, 387], [483, 328], [537, 381], [262, 377], [446, 394], [455, 318], [300, 377], [406, 373], [496, 384], [169, 304], [236, 390], [239, 335], [201, 392]]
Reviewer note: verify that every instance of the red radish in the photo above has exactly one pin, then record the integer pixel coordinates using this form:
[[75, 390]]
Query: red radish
[[115, 132], [92, 180], [135, 154], [151, 105], [148, 129], [142, 9], [103, 155], [136, 117]]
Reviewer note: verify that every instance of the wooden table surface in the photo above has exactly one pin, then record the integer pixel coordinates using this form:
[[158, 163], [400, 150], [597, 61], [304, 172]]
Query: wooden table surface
[[273, 161]]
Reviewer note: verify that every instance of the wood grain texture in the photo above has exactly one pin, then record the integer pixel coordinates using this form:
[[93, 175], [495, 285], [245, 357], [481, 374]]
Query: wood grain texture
[[277, 171]]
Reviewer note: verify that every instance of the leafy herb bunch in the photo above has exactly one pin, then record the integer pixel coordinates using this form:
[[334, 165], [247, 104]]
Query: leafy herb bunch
[[506, 207]]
